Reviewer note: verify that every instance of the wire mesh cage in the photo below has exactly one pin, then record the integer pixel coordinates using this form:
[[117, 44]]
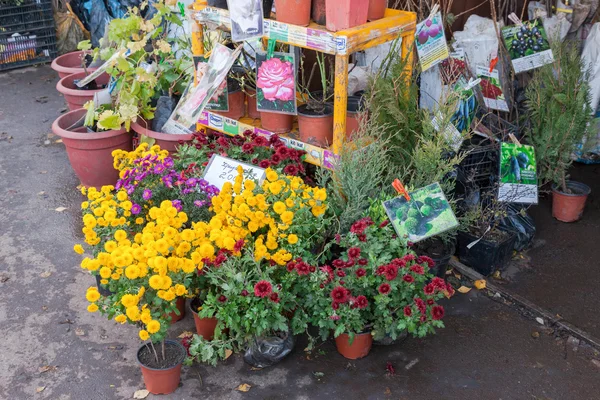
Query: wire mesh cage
[[27, 33]]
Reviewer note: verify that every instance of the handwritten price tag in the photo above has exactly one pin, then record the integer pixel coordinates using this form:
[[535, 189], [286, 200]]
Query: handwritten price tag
[[222, 169]]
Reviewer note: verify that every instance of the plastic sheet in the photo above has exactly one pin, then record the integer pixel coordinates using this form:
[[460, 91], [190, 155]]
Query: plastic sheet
[[69, 31], [521, 224], [164, 109], [265, 352]]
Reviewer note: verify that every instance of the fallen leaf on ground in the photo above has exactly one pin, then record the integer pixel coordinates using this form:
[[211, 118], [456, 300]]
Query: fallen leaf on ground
[[387, 392], [255, 369], [185, 334], [4, 278], [58, 141], [60, 209], [390, 368], [480, 284], [40, 389], [497, 275], [44, 308], [41, 193], [539, 320], [79, 332], [228, 353], [45, 274], [535, 335], [244, 387], [43, 172], [46, 368], [141, 394], [463, 289]]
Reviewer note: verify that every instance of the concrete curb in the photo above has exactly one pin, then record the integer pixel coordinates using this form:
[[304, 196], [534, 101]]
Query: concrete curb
[[549, 318]]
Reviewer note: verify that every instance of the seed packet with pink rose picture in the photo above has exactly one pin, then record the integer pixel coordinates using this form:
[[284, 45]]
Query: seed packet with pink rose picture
[[276, 83], [220, 99]]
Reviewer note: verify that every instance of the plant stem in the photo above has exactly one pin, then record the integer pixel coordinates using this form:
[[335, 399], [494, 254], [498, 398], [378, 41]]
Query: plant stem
[[154, 350]]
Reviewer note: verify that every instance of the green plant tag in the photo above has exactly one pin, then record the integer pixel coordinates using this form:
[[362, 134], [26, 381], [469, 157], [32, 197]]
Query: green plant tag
[[181, 8], [271, 48]]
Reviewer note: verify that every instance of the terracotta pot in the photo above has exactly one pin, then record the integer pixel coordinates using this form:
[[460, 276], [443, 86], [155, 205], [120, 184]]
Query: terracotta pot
[[359, 348], [74, 97], [353, 115], [180, 304], [205, 327], [318, 13], [568, 207], [275, 122], [70, 63], [251, 100], [90, 154], [295, 12], [316, 129], [376, 9], [166, 141], [163, 381], [236, 105], [345, 14]]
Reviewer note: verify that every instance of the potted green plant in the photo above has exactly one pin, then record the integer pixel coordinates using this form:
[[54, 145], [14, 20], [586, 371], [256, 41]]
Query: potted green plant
[[75, 96], [377, 287], [559, 114], [72, 63]]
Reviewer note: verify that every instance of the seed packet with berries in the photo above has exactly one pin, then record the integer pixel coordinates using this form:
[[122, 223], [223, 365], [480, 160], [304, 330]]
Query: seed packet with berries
[[491, 88], [431, 42], [527, 45]]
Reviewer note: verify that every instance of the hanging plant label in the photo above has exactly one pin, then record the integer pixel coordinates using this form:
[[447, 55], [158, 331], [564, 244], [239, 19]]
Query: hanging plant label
[[426, 214], [491, 88], [276, 83], [431, 42], [220, 99], [518, 174], [527, 45], [222, 169], [246, 19]]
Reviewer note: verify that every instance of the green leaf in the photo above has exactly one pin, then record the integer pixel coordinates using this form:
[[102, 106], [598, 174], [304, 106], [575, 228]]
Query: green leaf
[[84, 45]]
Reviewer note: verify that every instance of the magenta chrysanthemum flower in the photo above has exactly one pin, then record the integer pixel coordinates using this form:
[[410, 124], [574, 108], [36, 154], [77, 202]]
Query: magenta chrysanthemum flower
[[263, 289], [147, 194], [136, 209]]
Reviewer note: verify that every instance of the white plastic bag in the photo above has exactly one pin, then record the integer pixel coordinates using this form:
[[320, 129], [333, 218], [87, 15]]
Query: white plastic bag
[[479, 41]]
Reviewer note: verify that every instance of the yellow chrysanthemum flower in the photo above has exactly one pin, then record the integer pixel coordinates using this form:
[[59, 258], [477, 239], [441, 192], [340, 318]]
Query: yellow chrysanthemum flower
[[92, 308], [144, 335], [78, 249], [153, 326], [92, 295], [292, 239], [121, 318]]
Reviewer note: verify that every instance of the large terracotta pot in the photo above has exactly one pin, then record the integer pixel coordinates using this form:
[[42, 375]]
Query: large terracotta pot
[[359, 348], [166, 141], [75, 97], [376, 9], [90, 154], [70, 63], [205, 327], [295, 12], [236, 105], [568, 207], [164, 380], [316, 129], [345, 14], [276, 122]]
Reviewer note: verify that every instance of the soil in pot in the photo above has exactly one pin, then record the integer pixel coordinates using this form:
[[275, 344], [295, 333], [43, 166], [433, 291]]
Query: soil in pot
[[295, 12], [568, 207], [491, 253], [316, 126], [76, 97], [162, 376], [345, 14], [205, 327], [439, 252], [276, 122], [359, 348]]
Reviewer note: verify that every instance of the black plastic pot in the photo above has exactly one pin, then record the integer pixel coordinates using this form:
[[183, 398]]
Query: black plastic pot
[[486, 256], [101, 289]]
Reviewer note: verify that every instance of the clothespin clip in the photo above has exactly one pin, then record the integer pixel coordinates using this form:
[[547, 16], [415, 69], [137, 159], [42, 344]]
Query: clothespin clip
[[513, 17], [181, 8], [493, 64], [400, 189], [434, 11], [514, 139], [271, 48], [472, 83]]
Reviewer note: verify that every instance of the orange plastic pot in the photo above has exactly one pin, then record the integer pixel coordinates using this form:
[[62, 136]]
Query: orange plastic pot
[[70, 63], [344, 14], [74, 97], [90, 154], [166, 141], [295, 12], [251, 100], [180, 304], [316, 129], [376, 9], [205, 327], [236, 105], [359, 348], [568, 207], [275, 122], [163, 381]]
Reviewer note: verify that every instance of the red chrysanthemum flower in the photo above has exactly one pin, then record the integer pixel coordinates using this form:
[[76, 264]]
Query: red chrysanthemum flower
[[407, 311], [335, 305], [425, 259], [290, 266], [450, 289], [391, 272], [409, 257], [340, 295], [275, 159], [385, 288], [437, 312], [339, 263], [264, 164], [263, 289], [244, 293], [430, 302], [429, 289], [417, 269], [283, 151], [290, 169], [222, 299], [340, 273], [312, 269], [255, 161], [362, 262], [329, 271], [420, 305], [274, 297], [361, 272], [238, 245], [361, 302], [362, 237], [381, 270], [338, 238], [223, 143], [354, 252], [220, 259], [439, 283], [261, 141], [410, 244], [423, 318], [302, 268], [384, 223], [273, 139], [408, 278]]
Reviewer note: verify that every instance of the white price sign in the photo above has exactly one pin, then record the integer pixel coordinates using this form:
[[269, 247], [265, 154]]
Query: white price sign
[[222, 169]]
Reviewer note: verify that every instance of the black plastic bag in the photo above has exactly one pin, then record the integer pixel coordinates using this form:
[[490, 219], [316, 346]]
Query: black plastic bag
[[164, 109], [521, 224], [99, 19], [264, 352]]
